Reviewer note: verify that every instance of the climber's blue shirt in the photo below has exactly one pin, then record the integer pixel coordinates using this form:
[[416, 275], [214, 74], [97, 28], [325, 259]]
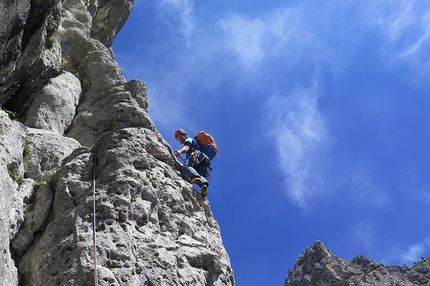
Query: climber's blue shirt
[[190, 169], [193, 145]]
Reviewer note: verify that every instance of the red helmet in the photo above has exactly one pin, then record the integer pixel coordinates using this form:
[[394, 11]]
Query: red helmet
[[180, 131]]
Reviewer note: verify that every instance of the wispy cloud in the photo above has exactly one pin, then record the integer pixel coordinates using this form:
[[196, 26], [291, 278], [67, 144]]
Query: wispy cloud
[[403, 24], [406, 27], [413, 253], [301, 136], [247, 38], [362, 234], [407, 254], [179, 13], [216, 51], [366, 235], [425, 196], [392, 17], [401, 20], [277, 34], [363, 186]]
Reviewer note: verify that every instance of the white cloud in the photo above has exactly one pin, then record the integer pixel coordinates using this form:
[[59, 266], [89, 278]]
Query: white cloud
[[416, 46], [413, 253], [366, 235], [400, 20], [180, 11], [276, 34], [408, 254], [247, 38], [406, 27], [363, 187], [396, 21], [301, 136]]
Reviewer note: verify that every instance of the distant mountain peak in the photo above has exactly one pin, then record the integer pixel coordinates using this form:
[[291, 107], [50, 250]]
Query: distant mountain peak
[[319, 266]]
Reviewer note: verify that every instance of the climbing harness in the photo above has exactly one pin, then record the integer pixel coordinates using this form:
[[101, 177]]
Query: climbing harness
[[198, 157]]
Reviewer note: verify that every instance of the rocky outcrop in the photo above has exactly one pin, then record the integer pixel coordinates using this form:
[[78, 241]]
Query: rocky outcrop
[[78, 156], [317, 266], [125, 106], [53, 107], [12, 201]]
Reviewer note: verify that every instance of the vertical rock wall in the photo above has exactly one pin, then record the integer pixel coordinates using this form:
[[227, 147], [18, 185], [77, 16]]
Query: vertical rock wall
[[67, 129]]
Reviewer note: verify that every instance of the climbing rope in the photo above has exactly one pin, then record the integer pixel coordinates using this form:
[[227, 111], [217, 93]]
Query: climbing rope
[[161, 154], [94, 207], [94, 215], [170, 154]]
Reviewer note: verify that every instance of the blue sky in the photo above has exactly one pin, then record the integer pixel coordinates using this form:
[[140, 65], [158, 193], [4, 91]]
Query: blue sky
[[320, 110]]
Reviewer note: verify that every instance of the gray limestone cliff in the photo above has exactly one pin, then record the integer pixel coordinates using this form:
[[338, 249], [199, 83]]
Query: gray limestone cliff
[[73, 129], [317, 266]]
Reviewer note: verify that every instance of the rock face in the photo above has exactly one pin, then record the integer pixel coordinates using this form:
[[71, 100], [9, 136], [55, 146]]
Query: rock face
[[317, 266], [75, 149]]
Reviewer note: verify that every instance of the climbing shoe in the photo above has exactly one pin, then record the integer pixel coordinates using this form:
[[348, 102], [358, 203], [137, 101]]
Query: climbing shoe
[[195, 180], [204, 190]]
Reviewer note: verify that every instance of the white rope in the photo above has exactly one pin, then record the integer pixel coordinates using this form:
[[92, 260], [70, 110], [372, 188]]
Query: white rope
[[94, 216]]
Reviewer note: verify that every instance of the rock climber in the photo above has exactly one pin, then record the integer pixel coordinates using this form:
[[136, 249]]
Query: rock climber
[[194, 166]]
